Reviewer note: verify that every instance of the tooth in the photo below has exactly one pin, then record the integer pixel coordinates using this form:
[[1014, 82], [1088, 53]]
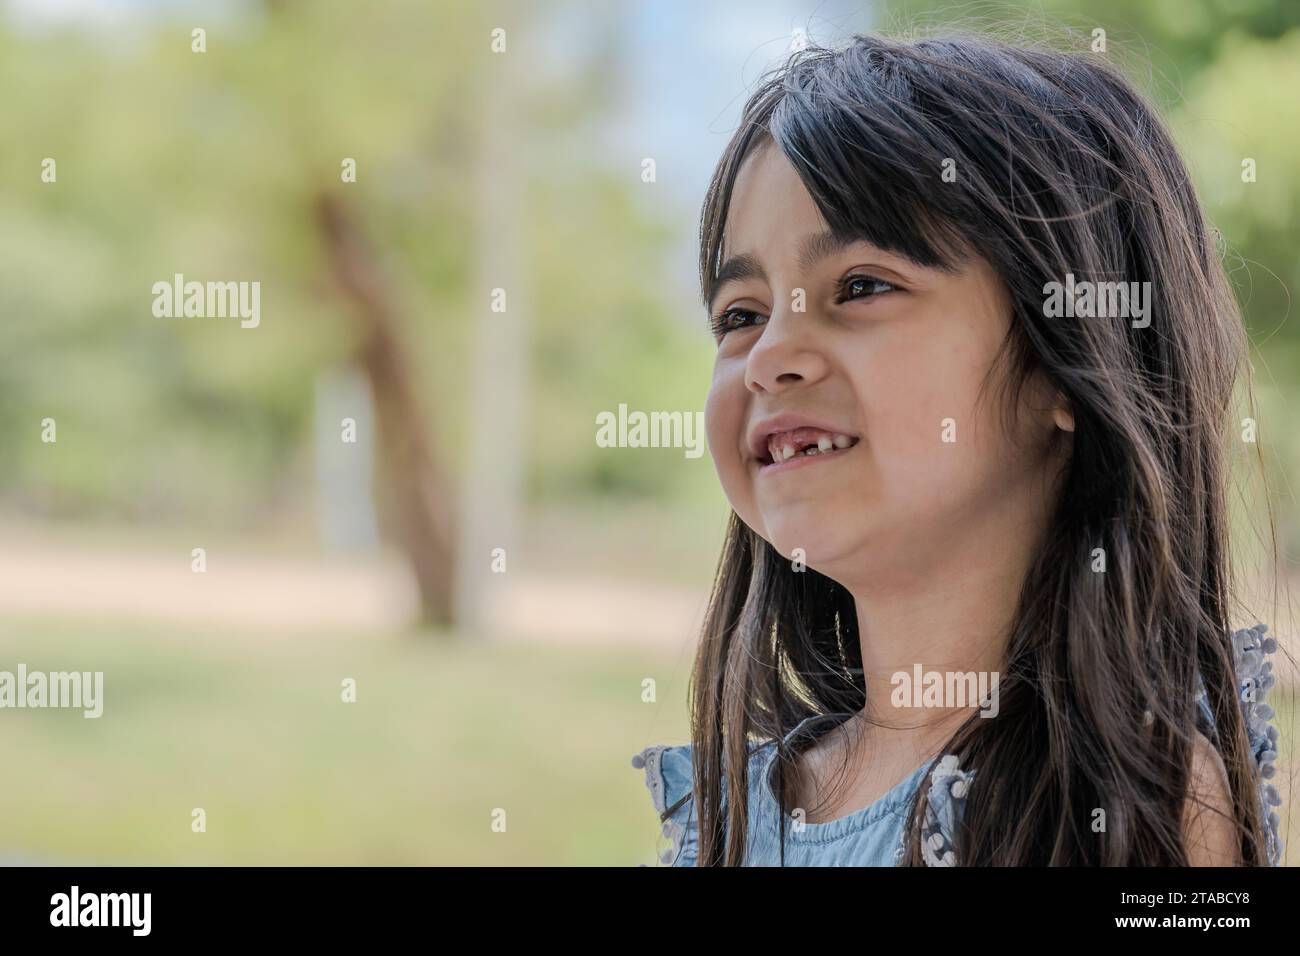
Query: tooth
[[824, 443], [843, 441], [811, 450], [787, 452]]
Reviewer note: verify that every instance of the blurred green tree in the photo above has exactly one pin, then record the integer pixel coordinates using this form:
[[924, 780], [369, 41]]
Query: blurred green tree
[[226, 165]]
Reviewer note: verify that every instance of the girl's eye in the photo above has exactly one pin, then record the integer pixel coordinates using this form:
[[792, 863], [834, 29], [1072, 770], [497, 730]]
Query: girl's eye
[[857, 286], [729, 320], [862, 287]]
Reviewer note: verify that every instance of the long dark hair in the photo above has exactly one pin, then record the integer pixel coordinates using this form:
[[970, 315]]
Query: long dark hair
[[1061, 167]]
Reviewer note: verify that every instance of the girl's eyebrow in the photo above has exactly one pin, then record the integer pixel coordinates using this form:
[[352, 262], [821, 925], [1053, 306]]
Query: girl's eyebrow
[[813, 248], [736, 269], [822, 245]]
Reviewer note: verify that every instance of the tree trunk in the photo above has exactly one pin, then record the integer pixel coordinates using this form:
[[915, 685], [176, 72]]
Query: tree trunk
[[420, 505]]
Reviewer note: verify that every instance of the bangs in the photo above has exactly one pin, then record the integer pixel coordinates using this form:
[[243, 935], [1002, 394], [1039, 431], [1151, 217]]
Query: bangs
[[860, 150]]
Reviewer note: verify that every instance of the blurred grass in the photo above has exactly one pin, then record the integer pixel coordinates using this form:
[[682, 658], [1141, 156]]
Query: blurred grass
[[251, 728], [254, 732]]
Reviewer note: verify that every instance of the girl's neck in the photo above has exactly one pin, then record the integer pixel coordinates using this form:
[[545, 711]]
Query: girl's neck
[[955, 617]]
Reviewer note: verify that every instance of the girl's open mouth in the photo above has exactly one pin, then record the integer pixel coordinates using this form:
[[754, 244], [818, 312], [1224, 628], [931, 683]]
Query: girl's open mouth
[[787, 450]]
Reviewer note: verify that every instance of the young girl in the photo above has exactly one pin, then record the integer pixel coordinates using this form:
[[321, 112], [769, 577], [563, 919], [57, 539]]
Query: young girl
[[975, 363]]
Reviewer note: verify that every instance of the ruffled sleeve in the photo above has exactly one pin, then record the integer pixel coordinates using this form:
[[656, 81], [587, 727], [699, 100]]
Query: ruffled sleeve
[[1255, 678], [945, 802], [668, 778]]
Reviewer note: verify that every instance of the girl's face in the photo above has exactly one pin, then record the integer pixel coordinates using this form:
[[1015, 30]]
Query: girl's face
[[876, 365]]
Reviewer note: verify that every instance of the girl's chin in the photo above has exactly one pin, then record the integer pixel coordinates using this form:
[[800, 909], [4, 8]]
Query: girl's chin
[[819, 551]]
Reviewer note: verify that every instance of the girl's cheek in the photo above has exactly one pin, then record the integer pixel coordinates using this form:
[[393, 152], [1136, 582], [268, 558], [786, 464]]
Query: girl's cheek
[[719, 425], [938, 440], [724, 423]]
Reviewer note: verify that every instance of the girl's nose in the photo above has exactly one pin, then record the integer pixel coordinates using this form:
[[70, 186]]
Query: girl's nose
[[785, 355]]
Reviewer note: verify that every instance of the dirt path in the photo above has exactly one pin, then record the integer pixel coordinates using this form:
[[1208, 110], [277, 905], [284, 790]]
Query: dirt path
[[300, 596]]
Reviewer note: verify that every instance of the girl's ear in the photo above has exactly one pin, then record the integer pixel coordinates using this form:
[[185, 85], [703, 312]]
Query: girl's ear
[[1062, 415]]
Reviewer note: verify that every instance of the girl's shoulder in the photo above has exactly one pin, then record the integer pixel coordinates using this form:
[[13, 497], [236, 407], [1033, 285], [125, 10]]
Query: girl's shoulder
[[1251, 648], [669, 776]]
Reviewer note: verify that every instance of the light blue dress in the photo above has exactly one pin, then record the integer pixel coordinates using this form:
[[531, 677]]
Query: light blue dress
[[873, 836]]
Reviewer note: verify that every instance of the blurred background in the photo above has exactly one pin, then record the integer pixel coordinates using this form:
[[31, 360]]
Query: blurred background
[[499, 587]]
